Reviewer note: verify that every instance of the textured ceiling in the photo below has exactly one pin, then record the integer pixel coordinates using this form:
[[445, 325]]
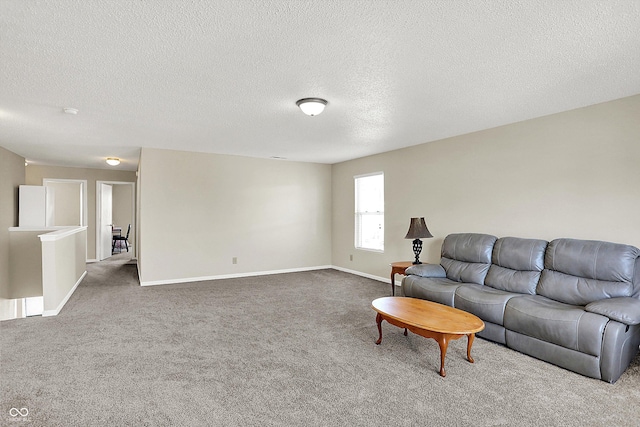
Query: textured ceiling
[[223, 76]]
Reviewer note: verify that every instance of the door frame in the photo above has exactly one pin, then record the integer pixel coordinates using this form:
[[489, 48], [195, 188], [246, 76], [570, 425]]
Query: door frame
[[99, 211]]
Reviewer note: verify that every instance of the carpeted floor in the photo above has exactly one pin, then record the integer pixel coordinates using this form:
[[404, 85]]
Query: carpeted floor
[[284, 350]]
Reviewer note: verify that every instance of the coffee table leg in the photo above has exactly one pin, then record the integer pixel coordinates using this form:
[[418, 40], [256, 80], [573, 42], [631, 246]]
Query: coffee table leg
[[393, 285], [469, 343], [379, 322], [444, 344]]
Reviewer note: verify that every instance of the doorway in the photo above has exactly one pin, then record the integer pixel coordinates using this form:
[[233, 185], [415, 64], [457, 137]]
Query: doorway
[[115, 207]]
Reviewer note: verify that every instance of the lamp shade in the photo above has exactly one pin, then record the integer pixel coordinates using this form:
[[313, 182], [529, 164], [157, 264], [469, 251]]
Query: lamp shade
[[113, 161], [418, 229], [311, 106]]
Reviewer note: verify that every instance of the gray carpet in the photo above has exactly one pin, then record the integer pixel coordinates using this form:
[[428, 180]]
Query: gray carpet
[[284, 350]]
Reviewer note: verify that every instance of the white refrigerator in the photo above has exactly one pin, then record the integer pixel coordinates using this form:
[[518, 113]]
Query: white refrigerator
[[36, 206]]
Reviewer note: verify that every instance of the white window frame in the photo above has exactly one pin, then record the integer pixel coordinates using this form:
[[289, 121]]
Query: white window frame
[[359, 214]]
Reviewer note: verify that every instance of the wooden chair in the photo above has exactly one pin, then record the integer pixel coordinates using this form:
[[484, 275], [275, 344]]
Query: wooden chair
[[124, 239]]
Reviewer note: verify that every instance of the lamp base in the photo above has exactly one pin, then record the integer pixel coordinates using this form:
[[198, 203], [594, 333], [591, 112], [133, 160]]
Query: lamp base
[[417, 248]]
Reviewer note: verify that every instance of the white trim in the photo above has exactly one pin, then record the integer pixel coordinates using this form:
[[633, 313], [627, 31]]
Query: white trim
[[59, 234], [378, 251], [47, 313], [364, 175], [359, 273], [91, 261], [231, 276], [47, 229]]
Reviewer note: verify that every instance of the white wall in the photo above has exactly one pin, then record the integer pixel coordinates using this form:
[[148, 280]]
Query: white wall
[[199, 211], [573, 174]]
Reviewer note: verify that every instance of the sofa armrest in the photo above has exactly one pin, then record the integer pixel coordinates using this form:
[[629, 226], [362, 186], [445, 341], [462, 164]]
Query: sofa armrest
[[426, 270], [624, 310]]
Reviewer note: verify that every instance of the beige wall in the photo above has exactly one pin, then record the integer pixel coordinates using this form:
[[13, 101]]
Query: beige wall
[[25, 259], [35, 175], [198, 211], [66, 196], [12, 175], [573, 174]]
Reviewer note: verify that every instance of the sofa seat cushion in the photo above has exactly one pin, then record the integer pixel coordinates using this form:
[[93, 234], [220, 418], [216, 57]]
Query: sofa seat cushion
[[485, 302], [440, 290], [562, 324]]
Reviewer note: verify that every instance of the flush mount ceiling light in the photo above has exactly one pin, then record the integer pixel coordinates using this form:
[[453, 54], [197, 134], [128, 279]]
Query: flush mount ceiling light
[[113, 161], [70, 110], [312, 106]]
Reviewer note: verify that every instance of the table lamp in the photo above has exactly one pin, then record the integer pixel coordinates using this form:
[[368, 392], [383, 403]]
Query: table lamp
[[417, 230]]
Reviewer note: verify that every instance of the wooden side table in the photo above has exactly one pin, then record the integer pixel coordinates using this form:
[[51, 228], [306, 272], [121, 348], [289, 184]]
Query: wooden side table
[[398, 268]]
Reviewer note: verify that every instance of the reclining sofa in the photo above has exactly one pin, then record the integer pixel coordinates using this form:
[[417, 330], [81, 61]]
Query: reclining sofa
[[573, 303]]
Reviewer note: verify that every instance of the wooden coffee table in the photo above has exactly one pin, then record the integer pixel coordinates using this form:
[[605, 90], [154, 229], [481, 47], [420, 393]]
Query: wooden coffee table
[[430, 320]]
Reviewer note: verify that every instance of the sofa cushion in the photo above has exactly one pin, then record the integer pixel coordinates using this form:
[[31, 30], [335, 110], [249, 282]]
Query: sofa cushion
[[582, 271], [466, 257], [485, 302], [440, 290], [466, 272], [519, 254], [555, 322], [516, 264], [578, 290]]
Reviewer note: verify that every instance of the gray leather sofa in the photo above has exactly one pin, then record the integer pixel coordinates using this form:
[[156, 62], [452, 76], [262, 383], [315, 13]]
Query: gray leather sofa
[[573, 303]]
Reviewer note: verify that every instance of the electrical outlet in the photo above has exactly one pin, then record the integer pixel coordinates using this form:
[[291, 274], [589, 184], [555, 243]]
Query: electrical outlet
[[350, 257], [234, 260]]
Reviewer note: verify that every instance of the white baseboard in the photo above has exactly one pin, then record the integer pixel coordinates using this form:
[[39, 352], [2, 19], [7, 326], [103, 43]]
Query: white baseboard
[[90, 261], [57, 310], [230, 276], [359, 273]]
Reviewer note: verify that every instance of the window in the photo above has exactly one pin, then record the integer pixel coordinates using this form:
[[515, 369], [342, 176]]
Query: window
[[369, 227]]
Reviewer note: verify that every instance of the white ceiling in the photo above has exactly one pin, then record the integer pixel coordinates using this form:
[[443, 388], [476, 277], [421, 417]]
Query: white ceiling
[[223, 76]]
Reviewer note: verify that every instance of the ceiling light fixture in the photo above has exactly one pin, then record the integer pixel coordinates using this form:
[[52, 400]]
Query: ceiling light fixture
[[312, 106], [70, 110], [113, 161]]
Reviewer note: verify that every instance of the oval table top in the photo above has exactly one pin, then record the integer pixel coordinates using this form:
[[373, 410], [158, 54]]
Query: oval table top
[[428, 315]]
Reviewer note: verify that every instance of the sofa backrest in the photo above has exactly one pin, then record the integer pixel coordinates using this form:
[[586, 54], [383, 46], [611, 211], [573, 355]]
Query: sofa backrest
[[582, 271], [466, 256], [516, 264]]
